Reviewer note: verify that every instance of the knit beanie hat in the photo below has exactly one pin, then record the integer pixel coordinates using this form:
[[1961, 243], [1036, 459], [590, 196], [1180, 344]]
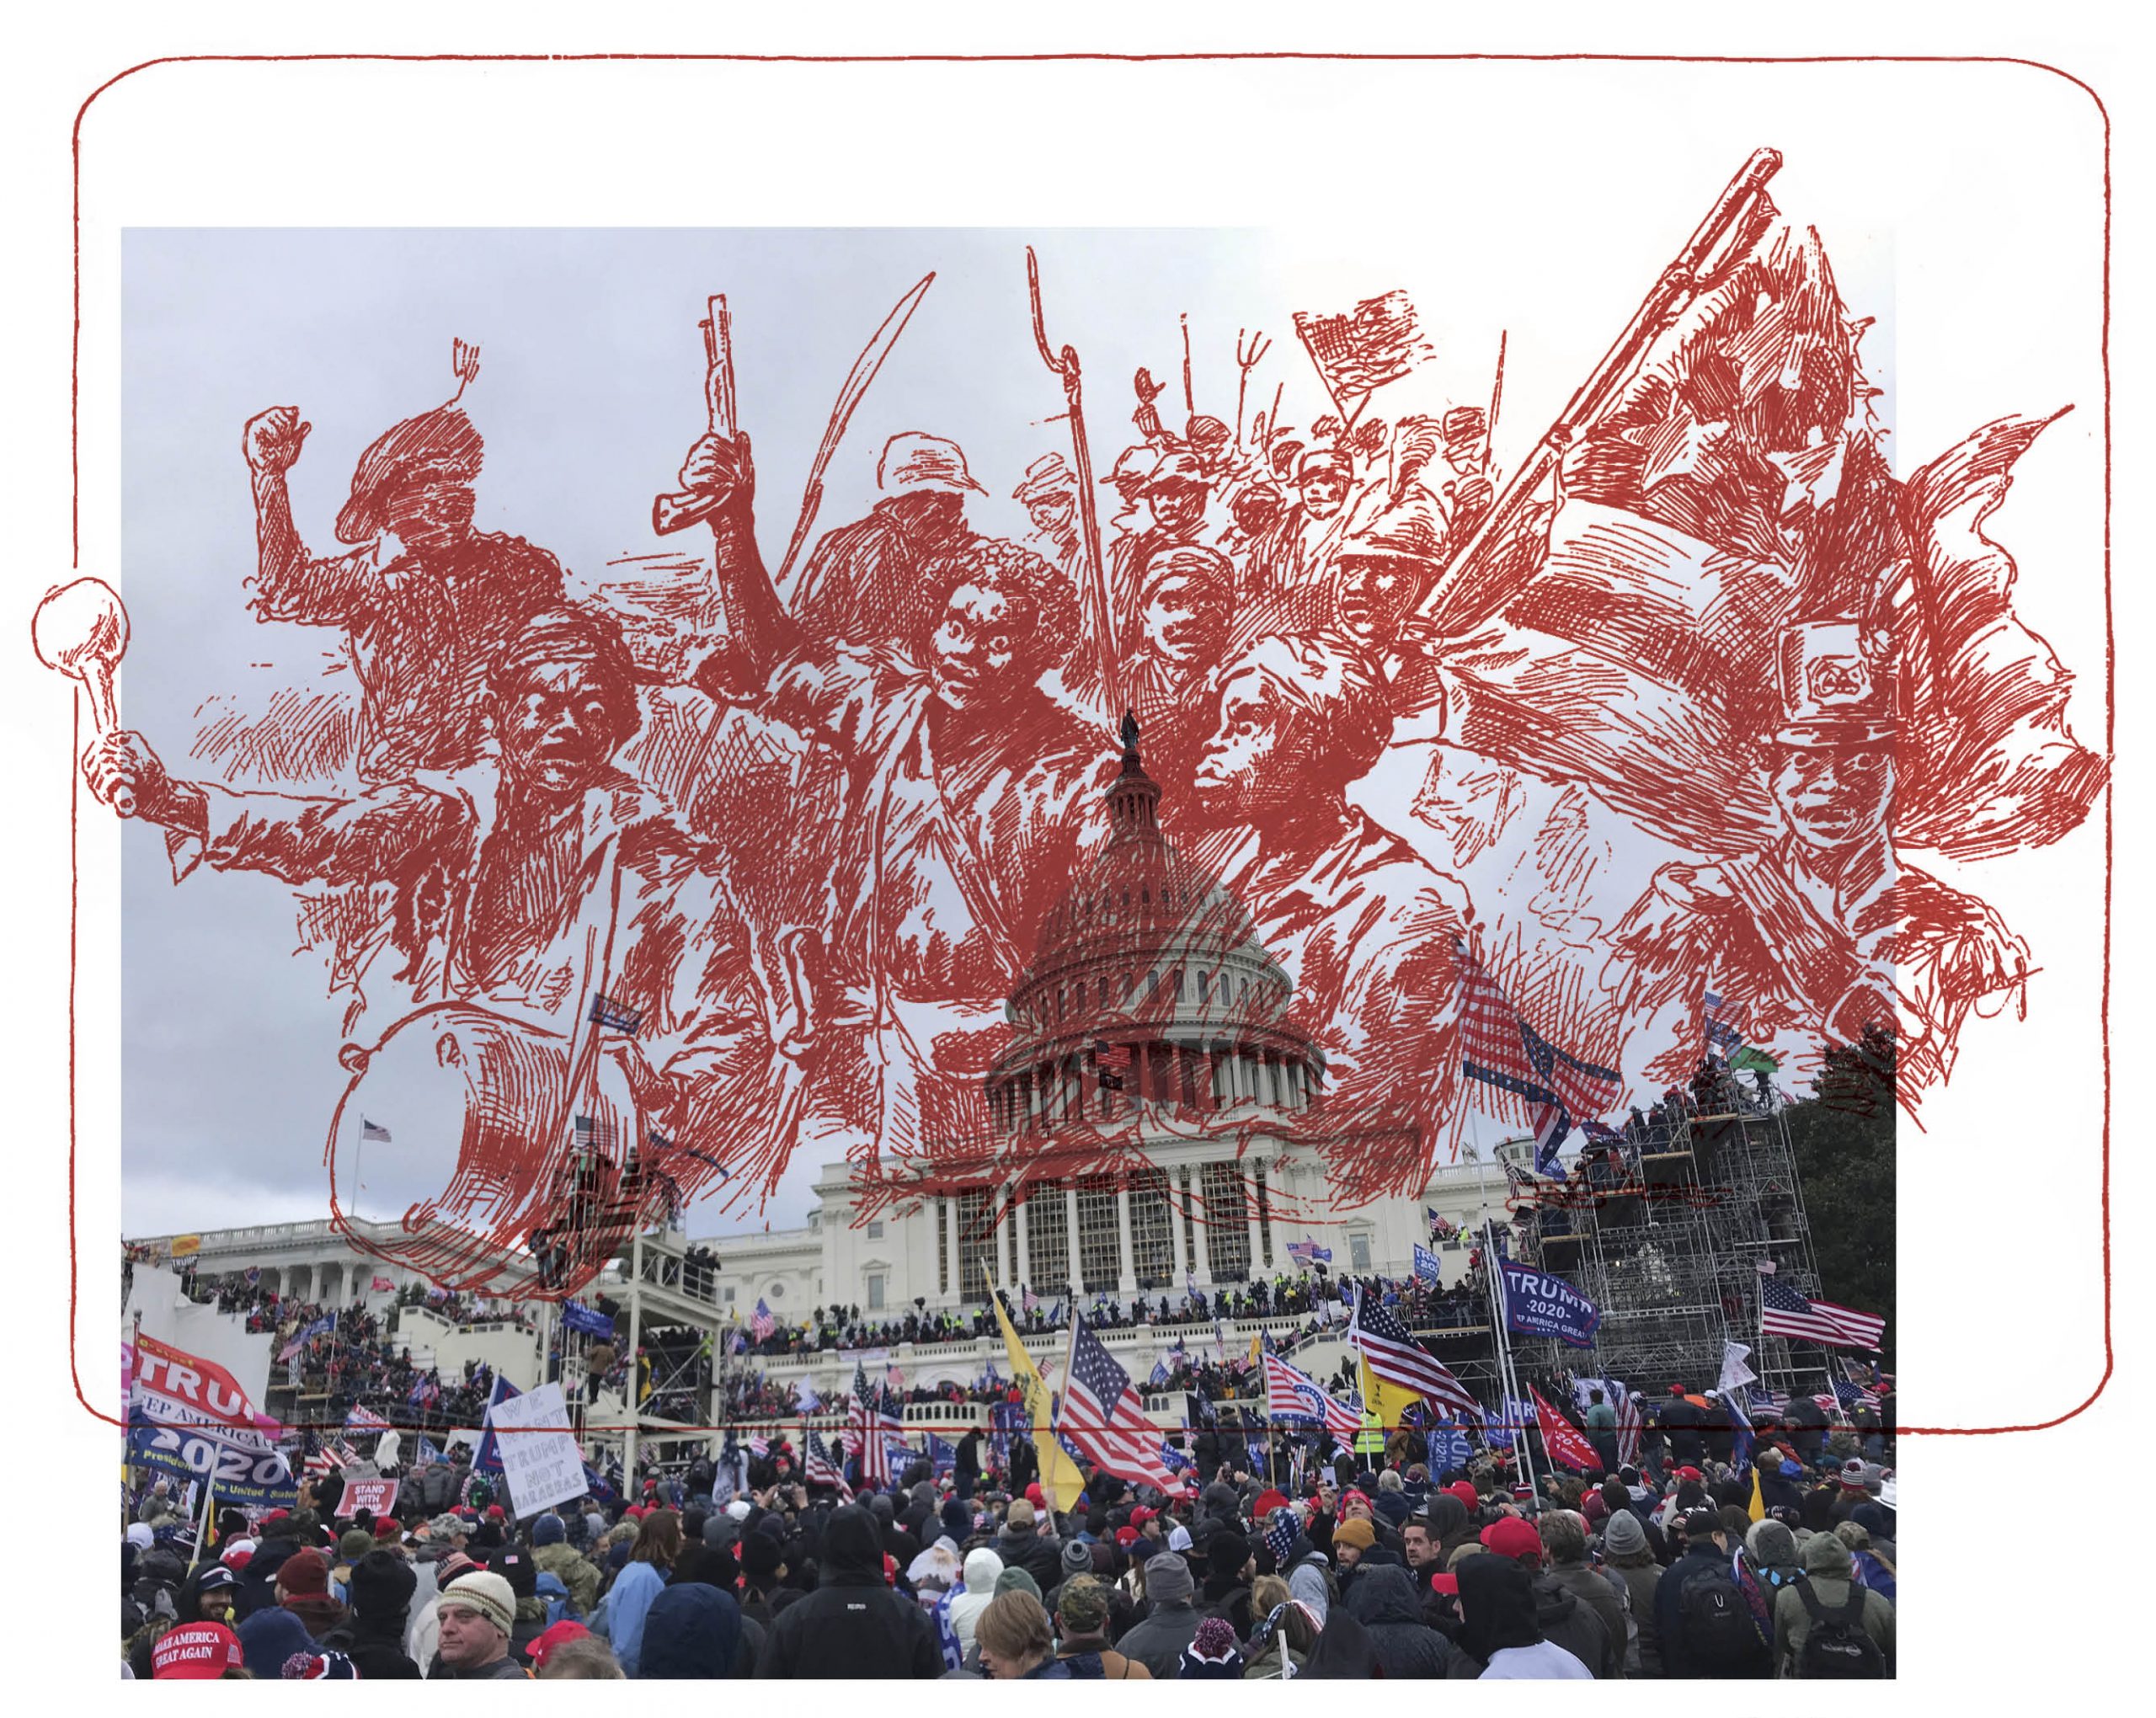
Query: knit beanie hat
[[1357, 1533], [355, 1544], [304, 1572], [517, 1568], [1212, 1652], [549, 1529], [1167, 1579], [382, 1584], [1077, 1559], [487, 1594], [1013, 1579], [1625, 1537], [1771, 1545], [760, 1556]]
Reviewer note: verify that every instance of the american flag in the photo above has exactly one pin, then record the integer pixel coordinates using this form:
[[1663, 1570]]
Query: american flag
[[365, 1419], [1280, 1537], [1291, 1394], [1784, 1312], [1491, 1043], [1773, 1401], [1551, 1126], [1398, 1359], [1852, 1396], [1719, 1032], [760, 1444], [369, 1132], [253, 1274], [762, 1323], [1102, 1416], [609, 1015], [818, 1467], [870, 1423]]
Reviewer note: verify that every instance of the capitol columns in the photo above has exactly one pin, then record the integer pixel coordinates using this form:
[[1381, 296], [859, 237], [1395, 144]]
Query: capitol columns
[[1126, 1252]]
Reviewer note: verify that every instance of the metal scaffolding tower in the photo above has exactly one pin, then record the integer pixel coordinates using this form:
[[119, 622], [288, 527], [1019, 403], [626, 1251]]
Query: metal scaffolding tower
[[1670, 1234]]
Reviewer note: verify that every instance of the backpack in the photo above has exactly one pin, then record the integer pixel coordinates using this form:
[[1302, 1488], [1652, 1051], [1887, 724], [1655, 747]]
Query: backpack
[[1836, 1645], [1715, 1626]]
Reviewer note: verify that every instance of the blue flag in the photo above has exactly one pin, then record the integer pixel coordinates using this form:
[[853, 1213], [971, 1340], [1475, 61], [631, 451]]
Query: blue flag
[[943, 1455], [1450, 1448], [1426, 1264], [488, 1457], [425, 1454], [586, 1319], [1159, 1374], [1539, 1304]]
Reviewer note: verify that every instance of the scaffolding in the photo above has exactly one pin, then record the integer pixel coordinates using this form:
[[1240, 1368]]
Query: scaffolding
[[1669, 1235]]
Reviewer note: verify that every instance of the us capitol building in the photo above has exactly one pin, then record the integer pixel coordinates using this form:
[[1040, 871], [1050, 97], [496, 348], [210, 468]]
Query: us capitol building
[[1197, 1160]]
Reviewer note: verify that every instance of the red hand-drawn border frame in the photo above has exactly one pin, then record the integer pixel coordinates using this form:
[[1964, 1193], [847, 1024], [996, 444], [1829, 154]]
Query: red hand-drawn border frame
[[2109, 641]]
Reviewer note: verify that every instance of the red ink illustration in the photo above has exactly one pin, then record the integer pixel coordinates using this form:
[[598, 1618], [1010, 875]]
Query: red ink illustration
[[986, 865]]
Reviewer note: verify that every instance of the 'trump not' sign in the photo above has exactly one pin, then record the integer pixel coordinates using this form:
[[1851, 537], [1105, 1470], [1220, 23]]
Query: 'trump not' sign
[[540, 1468]]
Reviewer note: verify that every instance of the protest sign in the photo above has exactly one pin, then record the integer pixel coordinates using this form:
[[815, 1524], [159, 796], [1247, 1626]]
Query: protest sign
[[242, 1476], [540, 1468], [1538, 1304], [379, 1496]]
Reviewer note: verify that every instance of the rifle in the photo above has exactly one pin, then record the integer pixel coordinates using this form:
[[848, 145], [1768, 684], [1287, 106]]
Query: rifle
[[1464, 594], [679, 511]]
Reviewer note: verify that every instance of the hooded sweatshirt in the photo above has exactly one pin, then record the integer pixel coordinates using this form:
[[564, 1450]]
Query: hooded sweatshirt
[[1384, 1600], [853, 1624], [984, 1568], [692, 1630], [1499, 1628]]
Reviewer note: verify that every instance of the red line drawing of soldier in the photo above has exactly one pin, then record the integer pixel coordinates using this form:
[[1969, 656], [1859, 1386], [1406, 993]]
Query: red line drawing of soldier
[[1825, 931], [1365, 927], [426, 601], [567, 951], [1050, 494]]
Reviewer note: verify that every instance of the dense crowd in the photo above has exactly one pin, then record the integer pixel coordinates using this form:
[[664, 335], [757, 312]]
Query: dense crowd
[[1296, 1556]]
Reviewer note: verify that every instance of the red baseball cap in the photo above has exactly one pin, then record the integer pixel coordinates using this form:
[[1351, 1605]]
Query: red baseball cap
[[546, 1642], [1689, 1473], [1465, 1490], [1266, 1503], [1444, 1584], [1126, 1537], [1512, 1537], [1033, 1495], [195, 1652], [1141, 1515]]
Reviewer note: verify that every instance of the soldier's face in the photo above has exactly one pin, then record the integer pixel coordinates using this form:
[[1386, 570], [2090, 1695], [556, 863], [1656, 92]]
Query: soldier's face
[[1244, 765], [421, 514], [1833, 797], [1375, 593], [1051, 513], [1173, 626], [1324, 493], [557, 727], [1178, 508], [975, 647]]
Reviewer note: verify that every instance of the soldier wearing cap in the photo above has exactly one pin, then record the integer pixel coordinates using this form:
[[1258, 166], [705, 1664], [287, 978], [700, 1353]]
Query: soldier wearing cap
[[1825, 931], [1468, 492], [1050, 494], [426, 601]]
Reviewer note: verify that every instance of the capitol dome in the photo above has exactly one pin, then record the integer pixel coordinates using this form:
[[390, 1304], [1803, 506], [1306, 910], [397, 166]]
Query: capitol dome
[[1147, 969]]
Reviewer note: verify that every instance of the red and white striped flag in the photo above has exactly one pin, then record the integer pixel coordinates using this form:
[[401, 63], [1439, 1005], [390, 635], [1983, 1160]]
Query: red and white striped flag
[[1103, 1419]]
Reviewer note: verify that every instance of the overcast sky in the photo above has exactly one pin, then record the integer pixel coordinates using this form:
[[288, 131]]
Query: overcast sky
[[590, 390]]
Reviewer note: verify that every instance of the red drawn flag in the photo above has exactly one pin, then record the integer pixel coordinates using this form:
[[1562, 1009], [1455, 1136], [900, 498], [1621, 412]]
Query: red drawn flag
[[1379, 341], [1564, 1441]]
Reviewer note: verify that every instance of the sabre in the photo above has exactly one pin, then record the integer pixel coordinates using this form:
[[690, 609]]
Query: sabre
[[80, 629], [849, 393]]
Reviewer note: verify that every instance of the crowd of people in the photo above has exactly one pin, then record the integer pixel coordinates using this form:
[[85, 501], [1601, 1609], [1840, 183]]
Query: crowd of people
[[1679, 1564]]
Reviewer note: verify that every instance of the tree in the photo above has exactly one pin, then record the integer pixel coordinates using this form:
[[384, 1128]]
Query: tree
[[1843, 1140]]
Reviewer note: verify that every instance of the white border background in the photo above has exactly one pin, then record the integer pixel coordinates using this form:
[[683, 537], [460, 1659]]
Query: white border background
[[1982, 176]]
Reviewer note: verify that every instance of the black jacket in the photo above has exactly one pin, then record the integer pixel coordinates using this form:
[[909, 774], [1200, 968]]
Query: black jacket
[[853, 1625], [376, 1646], [1384, 1601], [1565, 1622]]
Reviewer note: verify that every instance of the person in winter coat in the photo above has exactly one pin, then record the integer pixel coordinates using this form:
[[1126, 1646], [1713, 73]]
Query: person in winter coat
[[1021, 1546], [302, 1588], [552, 1554], [1564, 1553], [1081, 1627], [477, 1612], [1500, 1638], [373, 1636], [1016, 1642], [853, 1625], [1384, 1601], [984, 1568], [1171, 1623], [658, 1543], [1829, 1574], [966, 1470], [692, 1629], [1285, 1629], [1627, 1555], [1679, 1627]]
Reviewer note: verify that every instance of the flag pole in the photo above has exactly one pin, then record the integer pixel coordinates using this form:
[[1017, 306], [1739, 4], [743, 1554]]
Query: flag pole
[[1506, 1369], [636, 1337]]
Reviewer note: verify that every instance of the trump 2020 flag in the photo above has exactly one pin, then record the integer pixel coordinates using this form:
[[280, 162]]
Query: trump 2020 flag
[[1539, 1304], [1426, 1264]]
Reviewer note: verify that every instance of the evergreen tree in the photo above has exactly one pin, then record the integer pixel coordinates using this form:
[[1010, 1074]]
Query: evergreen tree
[[1843, 1140]]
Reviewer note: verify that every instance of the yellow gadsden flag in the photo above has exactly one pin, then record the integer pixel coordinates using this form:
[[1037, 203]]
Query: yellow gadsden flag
[[1383, 1405], [1061, 1483]]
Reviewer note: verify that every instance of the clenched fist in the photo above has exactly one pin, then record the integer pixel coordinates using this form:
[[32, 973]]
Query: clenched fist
[[272, 439], [125, 774], [725, 470]]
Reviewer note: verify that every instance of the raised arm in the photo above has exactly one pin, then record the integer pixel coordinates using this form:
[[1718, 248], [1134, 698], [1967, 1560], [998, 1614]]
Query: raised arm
[[762, 632], [289, 584]]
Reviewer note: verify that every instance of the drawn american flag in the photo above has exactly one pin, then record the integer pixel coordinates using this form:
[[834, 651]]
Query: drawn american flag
[[1103, 1417], [1398, 1359], [1784, 1312]]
